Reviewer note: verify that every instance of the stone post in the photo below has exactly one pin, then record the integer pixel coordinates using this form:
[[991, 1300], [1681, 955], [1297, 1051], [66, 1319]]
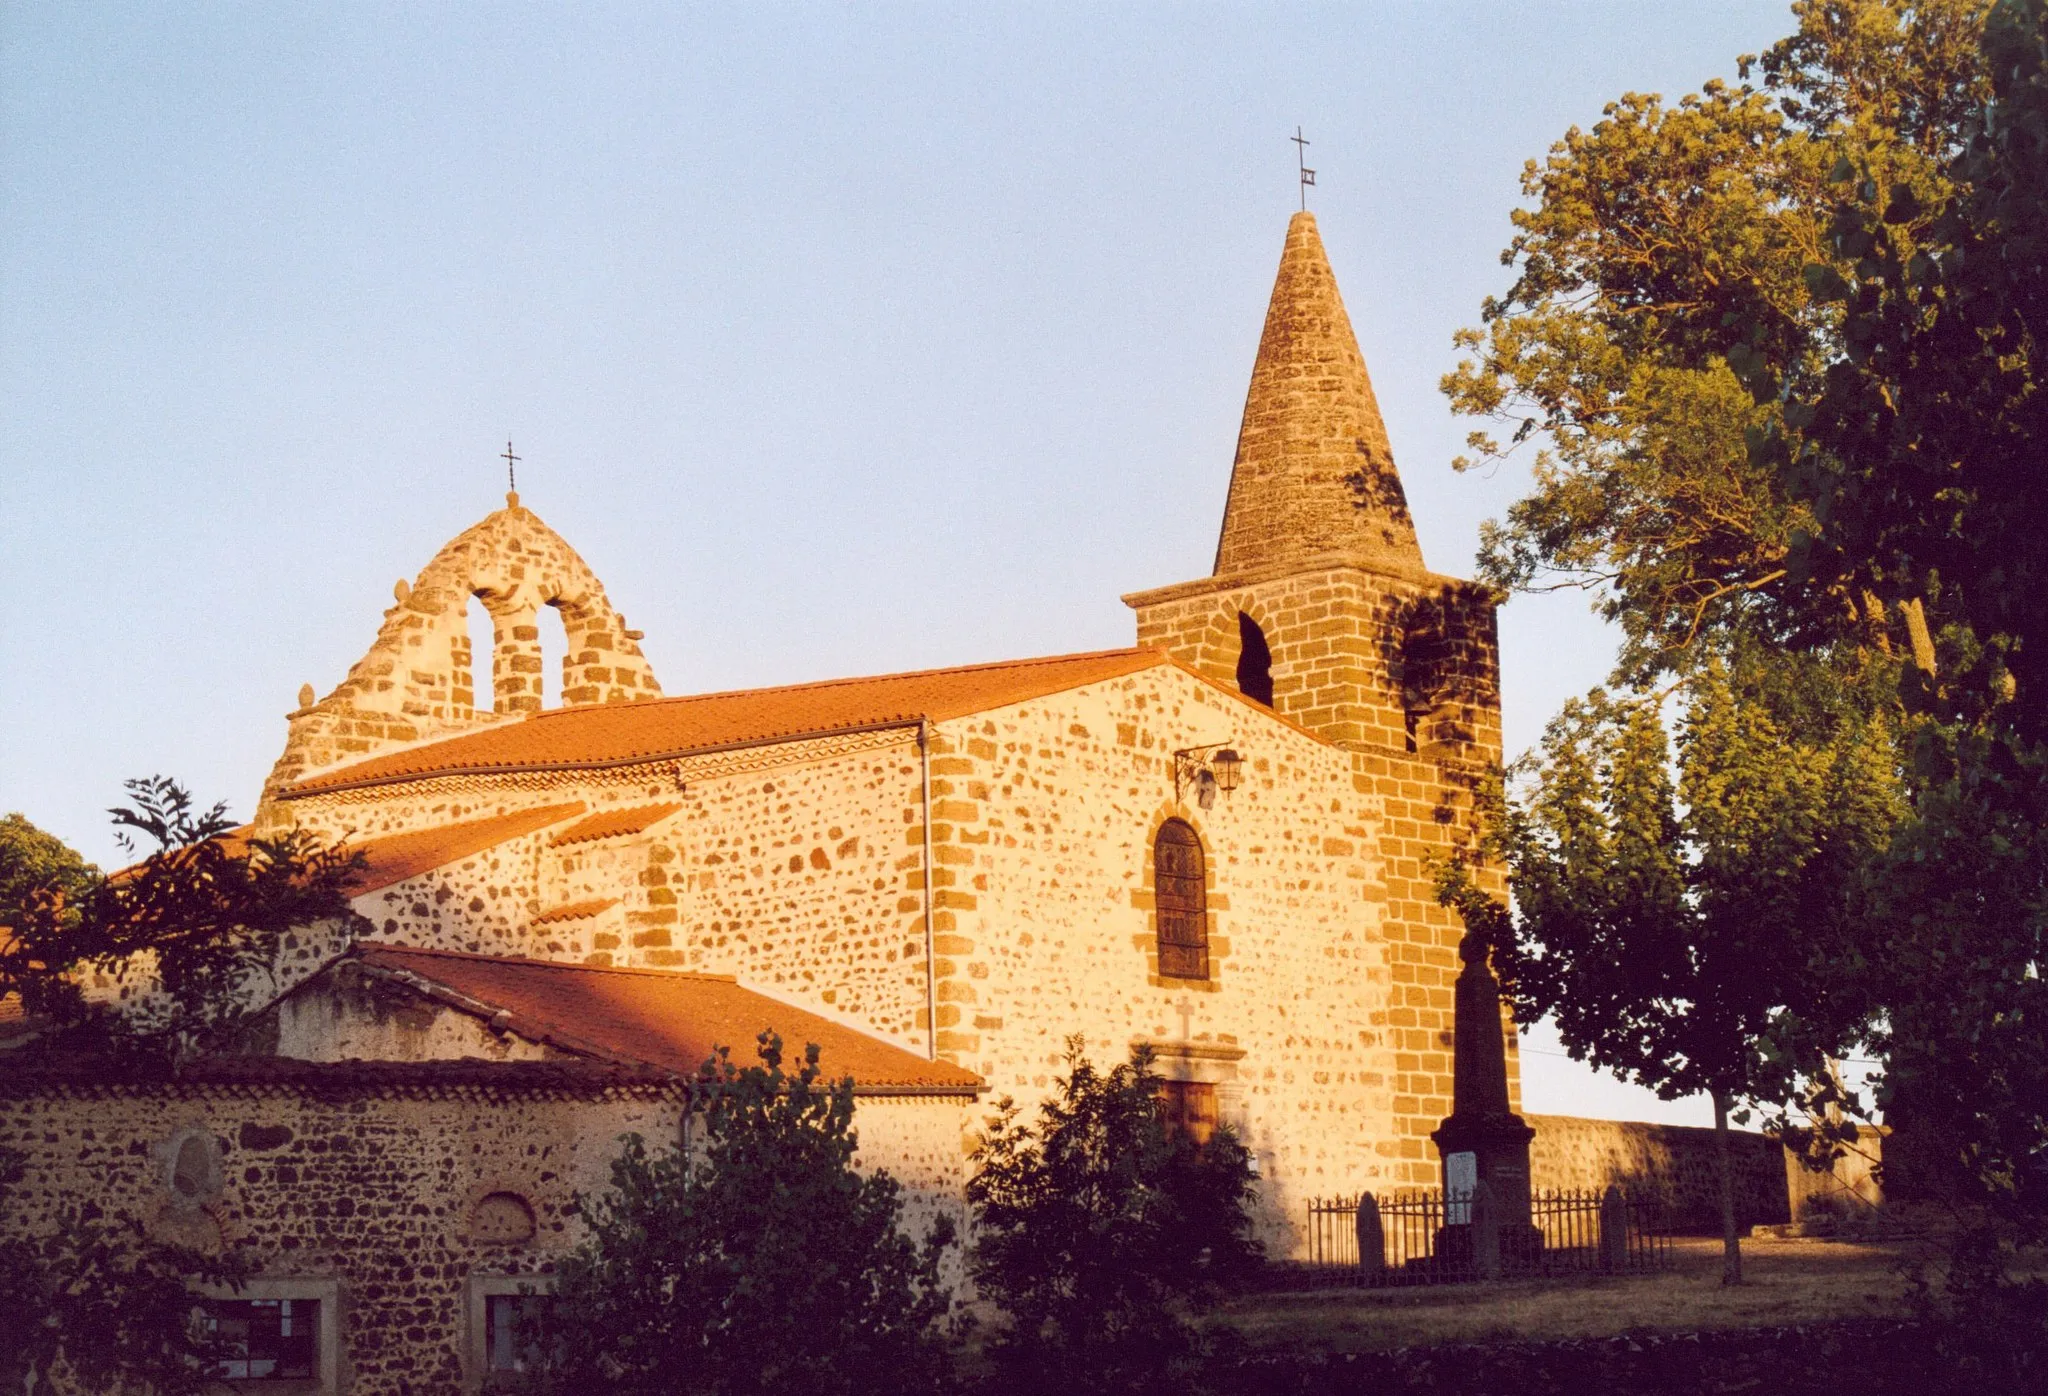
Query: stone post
[[1372, 1237], [1613, 1230], [1483, 1140]]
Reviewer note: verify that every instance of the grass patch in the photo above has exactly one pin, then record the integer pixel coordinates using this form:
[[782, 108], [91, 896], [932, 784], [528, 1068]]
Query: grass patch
[[1789, 1282]]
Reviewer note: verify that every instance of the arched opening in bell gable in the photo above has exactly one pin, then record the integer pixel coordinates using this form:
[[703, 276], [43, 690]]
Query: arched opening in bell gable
[[474, 652], [1254, 661], [554, 650]]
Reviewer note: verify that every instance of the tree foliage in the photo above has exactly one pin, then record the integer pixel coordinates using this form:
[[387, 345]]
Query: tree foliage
[[1679, 907], [1844, 265], [764, 1266], [33, 864], [93, 1301], [1671, 300], [196, 925], [1097, 1229]]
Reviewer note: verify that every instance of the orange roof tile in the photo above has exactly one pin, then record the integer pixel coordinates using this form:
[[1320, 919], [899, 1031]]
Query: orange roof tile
[[662, 1018], [613, 823], [395, 857], [236, 841], [574, 911], [618, 734]]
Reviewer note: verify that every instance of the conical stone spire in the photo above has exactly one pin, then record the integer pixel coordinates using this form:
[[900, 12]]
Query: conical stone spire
[[1314, 478]]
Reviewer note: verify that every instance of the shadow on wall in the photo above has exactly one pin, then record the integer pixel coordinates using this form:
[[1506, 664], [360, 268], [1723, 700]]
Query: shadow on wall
[[1676, 1165]]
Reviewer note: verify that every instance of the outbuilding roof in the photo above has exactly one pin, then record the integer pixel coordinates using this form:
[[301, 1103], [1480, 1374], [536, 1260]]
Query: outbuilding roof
[[620, 734], [669, 1019], [396, 857]]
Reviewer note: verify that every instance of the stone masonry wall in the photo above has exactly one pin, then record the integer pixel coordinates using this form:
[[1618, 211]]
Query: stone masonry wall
[[1328, 1015], [799, 879], [800, 873], [1043, 819], [379, 1187], [354, 1185], [419, 681], [1676, 1164], [1403, 671], [1397, 664]]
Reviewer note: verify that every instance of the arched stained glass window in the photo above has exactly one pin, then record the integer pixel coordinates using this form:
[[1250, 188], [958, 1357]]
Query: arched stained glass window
[[1181, 901]]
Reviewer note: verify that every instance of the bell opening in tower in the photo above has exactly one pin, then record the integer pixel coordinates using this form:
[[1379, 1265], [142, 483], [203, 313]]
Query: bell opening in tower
[[1254, 661]]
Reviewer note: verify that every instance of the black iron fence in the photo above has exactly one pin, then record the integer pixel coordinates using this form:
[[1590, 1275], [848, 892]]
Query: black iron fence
[[1424, 1238]]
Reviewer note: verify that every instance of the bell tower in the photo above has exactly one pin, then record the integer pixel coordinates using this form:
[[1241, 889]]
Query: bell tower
[[1320, 608], [1320, 605]]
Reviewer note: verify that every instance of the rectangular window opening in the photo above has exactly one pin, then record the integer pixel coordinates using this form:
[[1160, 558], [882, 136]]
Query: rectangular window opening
[[506, 1351], [267, 1339]]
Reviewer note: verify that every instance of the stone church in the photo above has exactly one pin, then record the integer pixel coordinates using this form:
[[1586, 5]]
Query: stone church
[[1218, 842]]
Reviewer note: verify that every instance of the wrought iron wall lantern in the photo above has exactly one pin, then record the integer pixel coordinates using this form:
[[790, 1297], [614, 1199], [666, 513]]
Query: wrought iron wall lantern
[[1206, 775]]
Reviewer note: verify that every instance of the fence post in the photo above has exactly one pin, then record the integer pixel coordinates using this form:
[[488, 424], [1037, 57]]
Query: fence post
[[1372, 1240], [1613, 1230], [1485, 1231]]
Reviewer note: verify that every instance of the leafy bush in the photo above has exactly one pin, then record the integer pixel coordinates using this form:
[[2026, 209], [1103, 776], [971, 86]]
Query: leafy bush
[[1099, 1231], [765, 1266], [92, 1303]]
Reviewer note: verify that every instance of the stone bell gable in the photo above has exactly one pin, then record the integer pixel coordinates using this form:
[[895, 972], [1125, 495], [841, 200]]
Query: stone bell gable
[[421, 680], [1320, 605]]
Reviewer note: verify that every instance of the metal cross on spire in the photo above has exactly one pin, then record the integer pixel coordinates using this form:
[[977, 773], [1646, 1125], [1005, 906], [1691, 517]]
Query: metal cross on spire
[[1308, 176], [511, 468]]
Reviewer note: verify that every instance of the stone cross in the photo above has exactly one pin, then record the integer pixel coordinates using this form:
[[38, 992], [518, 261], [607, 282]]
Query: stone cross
[[1308, 176], [1186, 1009]]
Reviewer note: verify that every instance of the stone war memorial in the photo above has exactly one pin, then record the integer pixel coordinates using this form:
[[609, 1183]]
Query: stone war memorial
[[1218, 842]]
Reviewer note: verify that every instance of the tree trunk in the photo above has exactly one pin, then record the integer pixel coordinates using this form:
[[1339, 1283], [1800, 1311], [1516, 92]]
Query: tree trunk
[[1731, 1238]]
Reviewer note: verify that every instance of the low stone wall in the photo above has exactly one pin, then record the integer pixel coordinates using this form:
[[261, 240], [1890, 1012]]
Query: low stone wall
[[1676, 1163]]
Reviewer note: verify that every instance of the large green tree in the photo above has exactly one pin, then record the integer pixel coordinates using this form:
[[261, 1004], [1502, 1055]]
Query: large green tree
[[35, 864], [1672, 298], [1921, 447], [762, 1264], [84, 1296], [1669, 897], [1779, 344]]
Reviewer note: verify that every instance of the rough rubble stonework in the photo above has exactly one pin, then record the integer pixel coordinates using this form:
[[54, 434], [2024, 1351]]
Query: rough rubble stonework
[[420, 679], [379, 1187]]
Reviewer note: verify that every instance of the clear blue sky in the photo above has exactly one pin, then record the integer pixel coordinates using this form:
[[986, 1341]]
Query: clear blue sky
[[837, 340]]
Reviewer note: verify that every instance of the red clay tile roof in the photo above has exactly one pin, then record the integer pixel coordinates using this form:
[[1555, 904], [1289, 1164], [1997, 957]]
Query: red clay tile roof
[[662, 1018], [94, 1076], [574, 911], [618, 734], [612, 823], [395, 857]]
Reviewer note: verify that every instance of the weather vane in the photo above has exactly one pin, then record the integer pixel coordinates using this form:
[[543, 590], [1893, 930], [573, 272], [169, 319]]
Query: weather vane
[[1308, 176], [511, 468]]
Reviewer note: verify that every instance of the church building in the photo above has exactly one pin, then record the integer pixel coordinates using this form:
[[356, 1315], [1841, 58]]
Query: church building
[[1218, 842]]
